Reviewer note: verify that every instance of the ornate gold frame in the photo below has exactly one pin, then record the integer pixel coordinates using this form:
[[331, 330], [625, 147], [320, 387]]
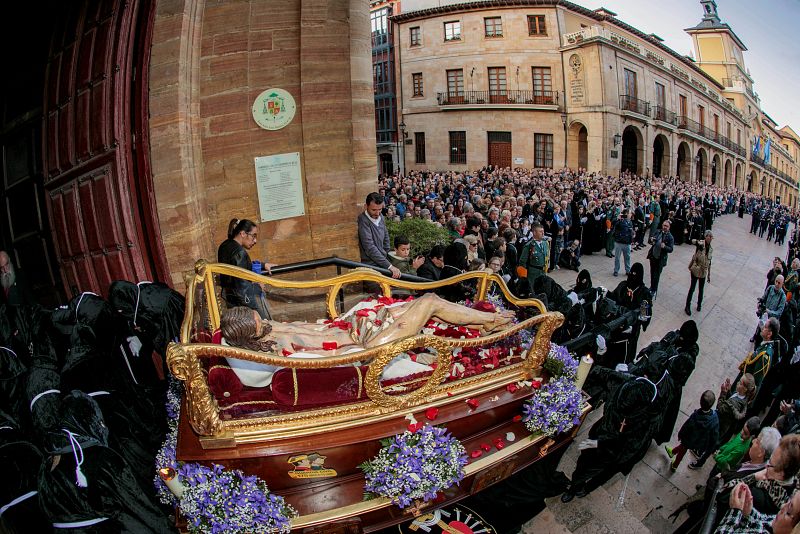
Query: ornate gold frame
[[184, 357]]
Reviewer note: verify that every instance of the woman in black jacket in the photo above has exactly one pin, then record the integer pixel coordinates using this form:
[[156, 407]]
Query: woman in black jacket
[[242, 236]]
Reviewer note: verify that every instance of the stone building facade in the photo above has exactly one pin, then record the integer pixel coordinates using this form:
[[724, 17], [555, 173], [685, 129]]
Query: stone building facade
[[548, 84]]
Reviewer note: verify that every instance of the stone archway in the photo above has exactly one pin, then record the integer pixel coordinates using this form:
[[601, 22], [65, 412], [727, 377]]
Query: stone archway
[[578, 146], [661, 155], [716, 169], [632, 150], [700, 164], [683, 167], [728, 175], [753, 184]]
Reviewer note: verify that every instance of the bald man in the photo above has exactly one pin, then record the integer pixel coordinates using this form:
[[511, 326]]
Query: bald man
[[14, 289]]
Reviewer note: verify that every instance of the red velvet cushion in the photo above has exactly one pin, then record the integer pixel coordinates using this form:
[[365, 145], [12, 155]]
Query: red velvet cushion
[[293, 388], [222, 381]]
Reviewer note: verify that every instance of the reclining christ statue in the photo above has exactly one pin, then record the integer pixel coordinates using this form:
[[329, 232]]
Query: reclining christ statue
[[366, 325]]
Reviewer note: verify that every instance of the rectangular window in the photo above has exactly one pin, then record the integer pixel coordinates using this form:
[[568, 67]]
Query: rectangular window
[[543, 151], [493, 27], [379, 21], [497, 84], [630, 83], [455, 84], [701, 115], [458, 147], [739, 137], [683, 106], [536, 25], [415, 36], [661, 96], [416, 78], [716, 124], [728, 131], [452, 31], [542, 85], [419, 147]]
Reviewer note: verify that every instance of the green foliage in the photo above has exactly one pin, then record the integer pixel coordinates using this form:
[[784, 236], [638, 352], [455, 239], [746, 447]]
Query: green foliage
[[423, 235], [553, 366]]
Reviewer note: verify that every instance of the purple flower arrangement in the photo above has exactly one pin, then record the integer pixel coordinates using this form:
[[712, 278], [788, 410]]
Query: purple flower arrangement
[[554, 408], [415, 466], [559, 362], [217, 500]]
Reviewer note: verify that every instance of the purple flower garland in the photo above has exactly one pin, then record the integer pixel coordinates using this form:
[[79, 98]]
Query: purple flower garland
[[415, 466], [554, 408], [217, 500]]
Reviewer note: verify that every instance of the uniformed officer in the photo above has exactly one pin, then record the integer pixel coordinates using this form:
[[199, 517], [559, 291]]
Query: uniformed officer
[[536, 255]]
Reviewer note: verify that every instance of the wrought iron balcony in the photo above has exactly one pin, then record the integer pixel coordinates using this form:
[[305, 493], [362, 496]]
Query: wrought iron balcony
[[535, 98], [662, 114], [758, 160], [634, 105]]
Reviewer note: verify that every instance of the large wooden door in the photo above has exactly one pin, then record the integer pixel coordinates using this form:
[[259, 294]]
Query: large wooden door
[[96, 178], [499, 149]]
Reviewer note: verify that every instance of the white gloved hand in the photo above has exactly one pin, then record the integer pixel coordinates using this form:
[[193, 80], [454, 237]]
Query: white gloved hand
[[587, 444], [628, 330], [621, 368], [135, 344], [601, 345], [573, 298], [583, 220]]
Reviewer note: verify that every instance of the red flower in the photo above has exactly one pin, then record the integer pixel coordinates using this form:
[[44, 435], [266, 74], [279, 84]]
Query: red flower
[[362, 313], [286, 352], [483, 305], [486, 447], [476, 453], [536, 384], [413, 427], [499, 443], [517, 418], [472, 403], [330, 345], [432, 413], [512, 388]]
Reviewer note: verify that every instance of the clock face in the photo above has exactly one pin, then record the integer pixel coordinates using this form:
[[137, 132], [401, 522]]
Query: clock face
[[273, 109]]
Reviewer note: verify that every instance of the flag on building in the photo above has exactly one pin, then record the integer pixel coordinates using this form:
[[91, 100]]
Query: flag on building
[[766, 150]]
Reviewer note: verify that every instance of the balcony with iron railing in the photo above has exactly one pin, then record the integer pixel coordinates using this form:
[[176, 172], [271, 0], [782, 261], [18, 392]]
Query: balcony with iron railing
[[685, 123], [532, 98], [758, 160], [634, 105], [660, 113]]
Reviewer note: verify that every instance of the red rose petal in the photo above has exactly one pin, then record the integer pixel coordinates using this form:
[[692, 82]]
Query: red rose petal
[[286, 352], [449, 393], [512, 388], [472, 403], [432, 413], [499, 444], [517, 418], [476, 453], [486, 447], [330, 345], [413, 427], [536, 384]]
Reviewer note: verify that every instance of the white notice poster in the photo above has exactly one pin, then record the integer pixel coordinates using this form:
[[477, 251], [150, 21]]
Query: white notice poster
[[280, 186]]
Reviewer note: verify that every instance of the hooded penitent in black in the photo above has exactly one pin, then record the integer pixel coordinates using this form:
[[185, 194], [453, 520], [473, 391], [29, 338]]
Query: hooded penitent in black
[[84, 481]]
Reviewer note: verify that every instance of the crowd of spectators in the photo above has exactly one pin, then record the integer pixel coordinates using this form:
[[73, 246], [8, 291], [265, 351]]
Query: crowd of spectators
[[542, 220]]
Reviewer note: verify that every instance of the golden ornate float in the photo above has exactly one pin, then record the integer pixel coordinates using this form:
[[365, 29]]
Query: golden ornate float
[[474, 408]]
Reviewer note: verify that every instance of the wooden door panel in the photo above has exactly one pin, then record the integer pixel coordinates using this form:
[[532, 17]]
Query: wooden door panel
[[82, 125], [93, 195]]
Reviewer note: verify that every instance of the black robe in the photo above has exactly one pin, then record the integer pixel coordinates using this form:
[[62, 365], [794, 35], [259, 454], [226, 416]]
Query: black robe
[[111, 489]]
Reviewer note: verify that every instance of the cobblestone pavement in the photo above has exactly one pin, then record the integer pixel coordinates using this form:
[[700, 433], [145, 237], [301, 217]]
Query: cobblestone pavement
[[727, 321]]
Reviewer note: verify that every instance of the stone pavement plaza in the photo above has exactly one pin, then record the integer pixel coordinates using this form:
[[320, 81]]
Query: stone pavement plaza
[[727, 321]]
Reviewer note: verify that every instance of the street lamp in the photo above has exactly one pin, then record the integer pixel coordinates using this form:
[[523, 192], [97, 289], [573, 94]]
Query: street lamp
[[564, 123], [402, 127]]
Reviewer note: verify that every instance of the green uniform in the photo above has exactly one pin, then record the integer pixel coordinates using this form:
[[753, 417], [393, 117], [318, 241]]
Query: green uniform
[[759, 362], [535, 257]]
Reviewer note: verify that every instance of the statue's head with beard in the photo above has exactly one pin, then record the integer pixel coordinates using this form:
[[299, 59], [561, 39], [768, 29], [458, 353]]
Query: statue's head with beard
[[7, 274]]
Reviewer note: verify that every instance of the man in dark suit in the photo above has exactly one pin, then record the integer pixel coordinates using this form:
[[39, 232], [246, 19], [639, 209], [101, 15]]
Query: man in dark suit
[[14, 284], [663, 243]]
